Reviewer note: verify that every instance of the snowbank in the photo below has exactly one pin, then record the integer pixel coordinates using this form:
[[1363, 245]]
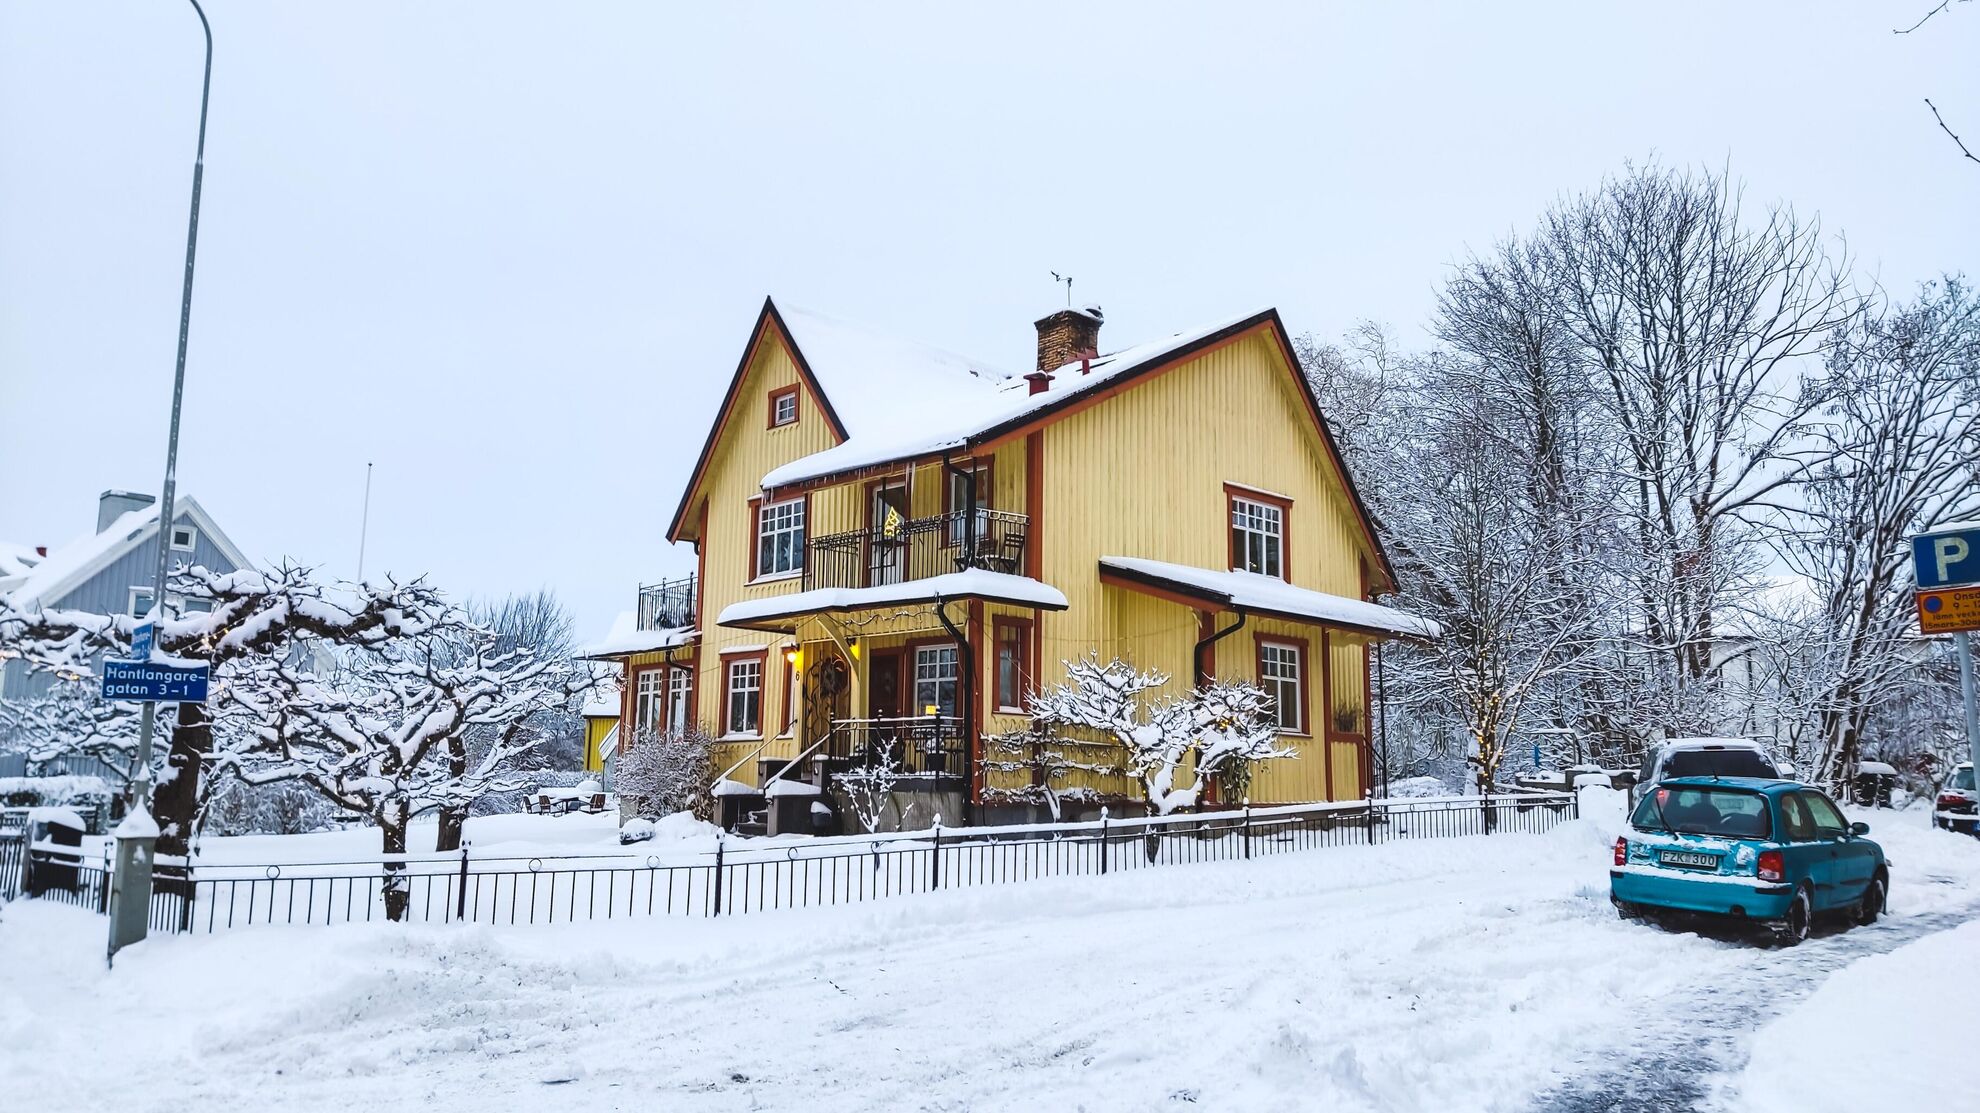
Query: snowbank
[[1886, 1033]]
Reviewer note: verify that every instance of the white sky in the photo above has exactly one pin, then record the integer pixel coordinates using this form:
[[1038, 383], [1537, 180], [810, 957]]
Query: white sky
[[509, 253]]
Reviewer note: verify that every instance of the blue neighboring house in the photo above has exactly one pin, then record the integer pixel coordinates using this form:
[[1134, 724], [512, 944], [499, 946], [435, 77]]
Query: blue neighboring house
[[108, 571]]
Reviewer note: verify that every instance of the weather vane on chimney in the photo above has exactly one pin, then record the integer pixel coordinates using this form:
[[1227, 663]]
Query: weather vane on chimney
[[1067, 279]]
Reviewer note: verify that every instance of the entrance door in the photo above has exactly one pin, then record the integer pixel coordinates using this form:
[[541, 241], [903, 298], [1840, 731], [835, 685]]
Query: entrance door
[[884, 698], [828, 696]]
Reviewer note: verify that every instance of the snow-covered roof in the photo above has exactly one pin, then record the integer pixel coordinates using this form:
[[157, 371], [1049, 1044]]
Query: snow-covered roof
[[1251, 592], [626, 638], [17, 559], [1876, 768], [924, 420], [600, 709], [71, 565], [875, 382], [1712, 744], [972, 583]]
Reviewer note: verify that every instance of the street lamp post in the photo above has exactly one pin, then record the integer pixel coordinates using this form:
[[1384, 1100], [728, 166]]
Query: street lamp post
[[137, 835]]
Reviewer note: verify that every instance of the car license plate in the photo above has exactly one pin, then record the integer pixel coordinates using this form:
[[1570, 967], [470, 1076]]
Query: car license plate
[[1690, 859]]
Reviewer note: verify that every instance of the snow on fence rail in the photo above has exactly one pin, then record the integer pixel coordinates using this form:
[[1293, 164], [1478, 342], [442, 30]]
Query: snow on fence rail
[[740, 877]]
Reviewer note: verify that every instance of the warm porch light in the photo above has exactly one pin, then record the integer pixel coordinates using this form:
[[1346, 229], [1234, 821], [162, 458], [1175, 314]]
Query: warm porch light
[[794, 657], [852, 647]]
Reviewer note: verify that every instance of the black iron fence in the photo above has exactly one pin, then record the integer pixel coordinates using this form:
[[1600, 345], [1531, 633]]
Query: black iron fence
[[742, 876], [928, 745], [667, 605], [918, 549]]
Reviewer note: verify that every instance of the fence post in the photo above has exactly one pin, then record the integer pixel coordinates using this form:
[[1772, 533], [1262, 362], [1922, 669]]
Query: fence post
[[1103, 839], [1575, 797], [1247, 828], [460, 898], [1485, 795], [718, 873], [935, 860], [1369, 821]]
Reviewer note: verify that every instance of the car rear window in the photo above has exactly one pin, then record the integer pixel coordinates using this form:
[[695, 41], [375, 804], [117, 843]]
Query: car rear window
[[1963, 779], [1727, 812], [1718, 763]]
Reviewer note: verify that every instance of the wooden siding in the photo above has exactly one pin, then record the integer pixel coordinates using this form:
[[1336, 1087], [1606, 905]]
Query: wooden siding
[[109, 591]]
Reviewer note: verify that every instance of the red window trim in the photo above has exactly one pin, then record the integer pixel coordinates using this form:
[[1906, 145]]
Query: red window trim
[[1026, 632], [770, 408], [908, 649], [1235, 491], [729, 662], [784, 722], [1305, 686], [755, 558]]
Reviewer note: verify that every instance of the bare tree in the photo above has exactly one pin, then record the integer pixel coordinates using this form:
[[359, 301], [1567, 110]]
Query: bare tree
[[663, 772], [1900, 442]]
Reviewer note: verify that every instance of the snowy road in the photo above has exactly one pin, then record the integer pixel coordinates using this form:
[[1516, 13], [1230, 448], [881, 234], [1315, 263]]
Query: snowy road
[[1465, 974]]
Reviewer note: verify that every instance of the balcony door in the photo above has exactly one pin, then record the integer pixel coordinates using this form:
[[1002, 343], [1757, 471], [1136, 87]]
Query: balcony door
[[886, 546]]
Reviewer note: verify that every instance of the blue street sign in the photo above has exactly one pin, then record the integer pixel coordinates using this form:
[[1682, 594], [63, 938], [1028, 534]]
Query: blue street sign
[[148, 682], [141, 641], [1947, 558]]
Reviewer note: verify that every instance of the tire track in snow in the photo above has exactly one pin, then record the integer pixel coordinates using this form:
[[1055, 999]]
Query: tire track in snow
[[1681, 1062]]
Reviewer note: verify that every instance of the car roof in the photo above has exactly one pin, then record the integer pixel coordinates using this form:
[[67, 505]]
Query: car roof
[[1747, 784], [1712, 744]]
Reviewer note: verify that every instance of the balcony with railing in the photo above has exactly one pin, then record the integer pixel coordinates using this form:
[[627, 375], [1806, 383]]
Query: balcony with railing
[[917, 549], [668, 605], [925, 746]]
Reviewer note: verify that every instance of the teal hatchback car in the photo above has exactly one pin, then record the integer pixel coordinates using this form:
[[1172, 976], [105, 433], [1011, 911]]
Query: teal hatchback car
[[1774, 852]]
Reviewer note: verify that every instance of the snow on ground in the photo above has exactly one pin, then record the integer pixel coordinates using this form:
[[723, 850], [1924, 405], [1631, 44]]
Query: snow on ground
[[1894, 1031], [1454, 974]]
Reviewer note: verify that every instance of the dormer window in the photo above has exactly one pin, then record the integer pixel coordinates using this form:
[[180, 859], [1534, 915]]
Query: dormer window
[[783, 407], [183, 538]]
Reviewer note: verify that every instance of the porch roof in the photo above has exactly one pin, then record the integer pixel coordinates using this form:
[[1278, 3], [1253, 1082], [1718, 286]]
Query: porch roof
[[627, 639], [781, 612], [1262, 595]]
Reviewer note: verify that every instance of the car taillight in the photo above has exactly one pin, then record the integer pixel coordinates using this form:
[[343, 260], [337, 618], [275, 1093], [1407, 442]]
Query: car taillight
[[1951, 800], [1772, 866], [1622, 851]]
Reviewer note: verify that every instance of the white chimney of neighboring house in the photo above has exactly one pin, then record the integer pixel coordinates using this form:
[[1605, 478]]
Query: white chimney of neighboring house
[[111, 505]]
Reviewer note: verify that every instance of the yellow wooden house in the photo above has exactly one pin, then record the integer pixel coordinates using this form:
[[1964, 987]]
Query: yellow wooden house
[[895, 545]]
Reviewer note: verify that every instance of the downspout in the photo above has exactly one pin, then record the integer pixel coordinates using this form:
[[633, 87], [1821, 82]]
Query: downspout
[[966, 695], [1203, 646]]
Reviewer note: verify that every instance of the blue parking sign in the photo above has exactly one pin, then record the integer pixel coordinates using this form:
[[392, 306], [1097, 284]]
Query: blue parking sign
[[1947, 558]]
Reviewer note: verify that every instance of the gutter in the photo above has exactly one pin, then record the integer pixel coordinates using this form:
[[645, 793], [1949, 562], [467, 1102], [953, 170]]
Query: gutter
[[1203, 645]]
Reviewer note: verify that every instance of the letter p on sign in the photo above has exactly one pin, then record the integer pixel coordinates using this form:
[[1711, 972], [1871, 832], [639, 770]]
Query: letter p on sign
[[1948, 551]]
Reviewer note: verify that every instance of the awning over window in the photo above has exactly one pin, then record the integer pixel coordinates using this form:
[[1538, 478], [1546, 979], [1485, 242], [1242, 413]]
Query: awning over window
[[1261, 595]]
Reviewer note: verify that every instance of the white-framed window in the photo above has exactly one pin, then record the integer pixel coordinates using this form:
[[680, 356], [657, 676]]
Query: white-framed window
[[680, 690], [744, 704], [1280, 673], [141, 599], [935, 679], [1258, 537], [783, 408], [780, 538], [646, 700], [184, 538]]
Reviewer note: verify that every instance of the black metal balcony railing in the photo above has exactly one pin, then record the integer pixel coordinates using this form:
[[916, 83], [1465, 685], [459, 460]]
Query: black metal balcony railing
[[668, 605], [928, 745], [918, 549]]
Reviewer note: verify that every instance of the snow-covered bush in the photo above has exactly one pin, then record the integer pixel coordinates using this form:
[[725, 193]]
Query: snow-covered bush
[[1219, 730], [283, 808], [869, 787], [663, 772]]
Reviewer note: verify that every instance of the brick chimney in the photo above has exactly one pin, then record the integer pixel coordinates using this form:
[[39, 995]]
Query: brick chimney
[[1068, 335]]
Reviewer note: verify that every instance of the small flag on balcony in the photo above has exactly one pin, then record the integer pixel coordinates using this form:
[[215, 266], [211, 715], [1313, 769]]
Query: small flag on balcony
[[890, 526]]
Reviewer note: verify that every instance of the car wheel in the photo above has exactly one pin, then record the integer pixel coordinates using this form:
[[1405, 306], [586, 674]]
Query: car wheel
[[1793, 927], [1872, 904], [1626, 910]]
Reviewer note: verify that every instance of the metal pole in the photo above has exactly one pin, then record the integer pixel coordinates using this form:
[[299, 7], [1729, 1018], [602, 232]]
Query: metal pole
[[364, 522], [131, 879], [1970, 694]]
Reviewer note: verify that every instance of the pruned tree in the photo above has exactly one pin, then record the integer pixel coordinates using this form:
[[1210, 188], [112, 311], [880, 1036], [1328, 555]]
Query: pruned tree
[[255, 617], [1213, 729], [375, 733], [68, 718]]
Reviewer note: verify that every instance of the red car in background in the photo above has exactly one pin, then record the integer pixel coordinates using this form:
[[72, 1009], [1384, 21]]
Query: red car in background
[[1958, 806]]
